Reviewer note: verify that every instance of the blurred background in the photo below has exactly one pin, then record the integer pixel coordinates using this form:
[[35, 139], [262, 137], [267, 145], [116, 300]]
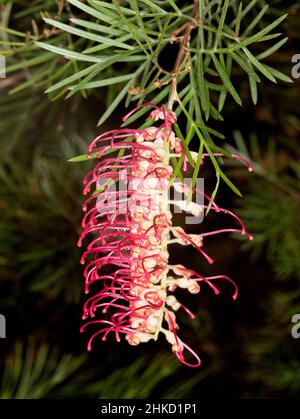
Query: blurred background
[[246, 346]]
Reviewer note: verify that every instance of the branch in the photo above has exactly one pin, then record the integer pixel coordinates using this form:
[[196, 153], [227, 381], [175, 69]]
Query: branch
[[183, 51]]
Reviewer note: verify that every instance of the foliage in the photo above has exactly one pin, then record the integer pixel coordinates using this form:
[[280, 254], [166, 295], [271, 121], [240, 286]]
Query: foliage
[[272, 206], [272, 350], [37, 208], [102, 36], [271, 210], [37, 370]]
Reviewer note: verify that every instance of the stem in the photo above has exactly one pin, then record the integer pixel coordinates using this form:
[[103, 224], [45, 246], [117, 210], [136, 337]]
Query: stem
[[183, 52]]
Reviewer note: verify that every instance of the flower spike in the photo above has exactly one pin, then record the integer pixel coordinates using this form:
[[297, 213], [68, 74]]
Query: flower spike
[[129, 231]]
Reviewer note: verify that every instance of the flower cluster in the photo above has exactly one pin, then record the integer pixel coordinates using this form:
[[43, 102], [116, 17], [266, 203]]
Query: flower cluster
[[129, 232]]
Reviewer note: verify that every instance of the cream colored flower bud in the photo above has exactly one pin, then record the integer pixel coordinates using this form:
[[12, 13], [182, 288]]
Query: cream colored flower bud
[[194, 288], [133, 339], [183, 282], [173, 302]]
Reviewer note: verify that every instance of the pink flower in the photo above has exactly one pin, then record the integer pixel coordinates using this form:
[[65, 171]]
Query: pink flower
[[129, 231]]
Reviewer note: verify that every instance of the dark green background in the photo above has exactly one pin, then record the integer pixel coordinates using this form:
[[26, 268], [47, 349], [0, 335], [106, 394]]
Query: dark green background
[[246, 346]]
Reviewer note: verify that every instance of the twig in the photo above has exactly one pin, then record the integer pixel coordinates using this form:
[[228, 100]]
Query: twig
[[183, 51]]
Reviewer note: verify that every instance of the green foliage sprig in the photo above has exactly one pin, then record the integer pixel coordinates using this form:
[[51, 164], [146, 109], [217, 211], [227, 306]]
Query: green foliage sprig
[[95, 44]]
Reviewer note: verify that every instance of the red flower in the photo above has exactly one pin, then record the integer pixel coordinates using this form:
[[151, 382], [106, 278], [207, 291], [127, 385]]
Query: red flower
[[129, 231]]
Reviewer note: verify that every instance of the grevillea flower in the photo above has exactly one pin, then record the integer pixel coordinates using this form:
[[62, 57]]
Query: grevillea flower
[[129, 231]]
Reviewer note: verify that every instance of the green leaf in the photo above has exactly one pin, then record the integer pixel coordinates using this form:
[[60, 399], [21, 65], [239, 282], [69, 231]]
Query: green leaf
[[279, 75], [107, 5], [215, 113], [154, 6], [259, 35], [72, 78], [238, 19], [269, 37], [201, 18], [29, 63], [90, 76], [227, 83], [241, 15], [209, 151], [105, 82], [35, 78], [102, 46], [256, 20], [16, 33], [245, 66], [135, 5], [83, 157], [96, 26], [221, 23], [87, 35], [213, 132], [92, 11], [185, 145], [202, 86], [253, 89], [223, 94], [197, 165], [272, 49], [179, 163], [121, 95], [118, 99], [259, 66], [214, 194], [77, 56], [173, 5], [136, 32]]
